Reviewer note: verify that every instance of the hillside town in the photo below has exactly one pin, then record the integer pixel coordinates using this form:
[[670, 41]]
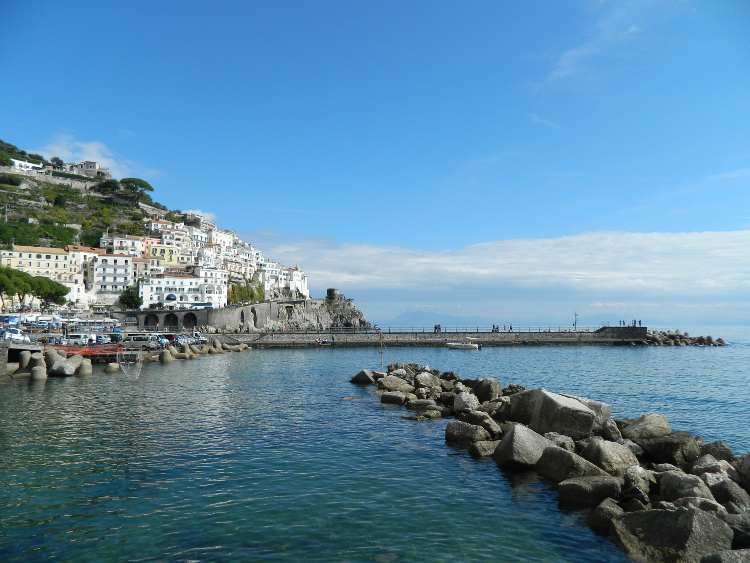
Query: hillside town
[[184, 264]]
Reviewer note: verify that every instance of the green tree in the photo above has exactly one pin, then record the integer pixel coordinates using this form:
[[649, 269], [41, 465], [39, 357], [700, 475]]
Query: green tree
[[5, 160], [108, 187], [7, 285], [48, 291], [130, 298], [56, 161]]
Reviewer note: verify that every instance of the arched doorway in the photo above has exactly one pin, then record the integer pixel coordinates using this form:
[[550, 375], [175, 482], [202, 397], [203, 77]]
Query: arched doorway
[[242, 316], [171, 322], [151, 321], [189, 321], [255, 317]]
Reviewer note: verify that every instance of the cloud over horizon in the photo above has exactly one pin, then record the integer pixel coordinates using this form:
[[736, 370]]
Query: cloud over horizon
[[613, 270]]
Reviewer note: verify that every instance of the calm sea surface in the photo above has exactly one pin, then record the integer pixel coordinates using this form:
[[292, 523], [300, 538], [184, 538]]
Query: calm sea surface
[[273, 455]]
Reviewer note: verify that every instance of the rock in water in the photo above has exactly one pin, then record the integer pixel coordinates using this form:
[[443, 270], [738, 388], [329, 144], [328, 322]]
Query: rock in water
[[481, 419], [364, 377], [743, 468], [460, 433], [483, 448], [557, 464], [676, 484], [112, 367], [465, 401], [677, 448], [488, 389], [561, 441], [612, 457], [393, 398], [589, 491], [665, 535], [600, 519], [720, 450], [545, 411], [38, 373], [393, 383], [647, 426], [521, 447], [24, 358], [732, 556]]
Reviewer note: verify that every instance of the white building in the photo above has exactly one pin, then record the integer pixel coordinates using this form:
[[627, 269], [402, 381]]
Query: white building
[[124, 244], [185, 290], [108, 275], [25, 165]]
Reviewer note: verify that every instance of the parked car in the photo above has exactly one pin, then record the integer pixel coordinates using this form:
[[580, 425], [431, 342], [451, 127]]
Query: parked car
[[103, 339], [15, 335]]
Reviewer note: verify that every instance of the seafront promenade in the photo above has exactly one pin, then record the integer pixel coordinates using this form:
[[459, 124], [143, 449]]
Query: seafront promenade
[[393, 338]]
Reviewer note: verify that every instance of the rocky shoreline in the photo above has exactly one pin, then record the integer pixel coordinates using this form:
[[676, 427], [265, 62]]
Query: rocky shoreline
[[659, 494]]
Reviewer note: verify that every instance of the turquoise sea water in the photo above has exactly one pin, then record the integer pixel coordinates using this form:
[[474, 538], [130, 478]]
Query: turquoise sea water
[[273, 455]]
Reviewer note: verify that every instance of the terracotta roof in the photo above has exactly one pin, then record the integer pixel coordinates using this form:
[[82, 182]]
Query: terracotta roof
[[39, 249], [80, 248]]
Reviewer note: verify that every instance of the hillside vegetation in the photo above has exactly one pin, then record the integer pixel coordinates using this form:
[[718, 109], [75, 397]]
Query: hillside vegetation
[[37, 212]]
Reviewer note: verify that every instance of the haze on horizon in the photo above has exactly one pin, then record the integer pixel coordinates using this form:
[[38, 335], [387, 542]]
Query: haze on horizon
[[499, 162]]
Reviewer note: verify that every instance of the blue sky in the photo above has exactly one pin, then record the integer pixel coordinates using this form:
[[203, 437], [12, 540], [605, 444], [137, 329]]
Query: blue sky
[[335, 132]]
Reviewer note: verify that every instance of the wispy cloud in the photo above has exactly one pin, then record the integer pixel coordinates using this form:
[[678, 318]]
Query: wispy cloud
[[615, 23], [631, 263], [536, 119], [731, 174], [70, 149]]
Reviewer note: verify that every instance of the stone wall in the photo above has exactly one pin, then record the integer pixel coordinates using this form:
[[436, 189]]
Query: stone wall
[[311, 314]]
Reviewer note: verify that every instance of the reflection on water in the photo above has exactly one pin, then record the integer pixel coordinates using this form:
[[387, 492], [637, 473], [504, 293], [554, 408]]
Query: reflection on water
[[256, 456]]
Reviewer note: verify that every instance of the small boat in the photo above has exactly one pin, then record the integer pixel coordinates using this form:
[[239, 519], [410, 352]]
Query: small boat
[[463, 345]]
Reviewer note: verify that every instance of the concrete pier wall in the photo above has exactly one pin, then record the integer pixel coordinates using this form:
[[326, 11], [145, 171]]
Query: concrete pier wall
[[611, 336]]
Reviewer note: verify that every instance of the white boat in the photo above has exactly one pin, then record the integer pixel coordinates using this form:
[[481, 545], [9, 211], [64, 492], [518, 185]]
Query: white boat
[[462, 345]]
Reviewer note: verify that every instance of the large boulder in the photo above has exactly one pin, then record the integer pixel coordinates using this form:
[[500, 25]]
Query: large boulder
[[483, 448], [720, 450], [740, 525], [676, 484], [730, 495], [545, 411], [421, 405], [706, 464], [602, 411], [364, 377], [670, 535], [743, 468], [637, 476], [600, 518], [393, 383], [459, 433], [481, 419], [589, 491], [701, 504], [678, 448], [557, 464], [488, 389], [393, 398], [614, 458], [520, 447], [728, 556], [647, 426], [561, 441], [465, 401], [427, 379]]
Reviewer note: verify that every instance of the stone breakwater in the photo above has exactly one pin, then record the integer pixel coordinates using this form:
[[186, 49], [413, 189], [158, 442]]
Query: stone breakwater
[[38, 366], [659, 494], [677, 338]]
